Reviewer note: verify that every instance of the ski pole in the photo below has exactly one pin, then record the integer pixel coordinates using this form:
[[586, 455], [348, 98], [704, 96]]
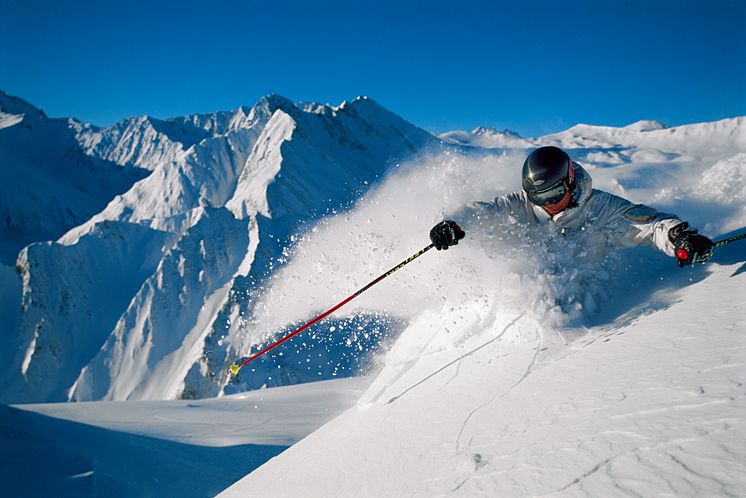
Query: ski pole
[[237, 366], [729, 240]]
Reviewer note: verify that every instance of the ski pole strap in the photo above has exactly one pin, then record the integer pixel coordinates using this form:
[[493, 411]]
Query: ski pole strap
[[729, 240], [234, 369]]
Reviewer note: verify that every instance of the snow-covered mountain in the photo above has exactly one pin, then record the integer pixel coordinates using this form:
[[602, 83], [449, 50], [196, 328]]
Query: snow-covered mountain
[[48, 183], [727, 136], [122, 295], [533, 372], [646, 125], [151, 296], [715, 138], [486, 137]]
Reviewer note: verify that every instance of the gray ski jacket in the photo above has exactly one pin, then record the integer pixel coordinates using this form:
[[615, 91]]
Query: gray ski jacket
[[602, 220]]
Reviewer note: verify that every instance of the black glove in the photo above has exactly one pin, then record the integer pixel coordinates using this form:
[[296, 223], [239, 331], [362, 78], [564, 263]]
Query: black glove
[[689, 246], [445, 234]]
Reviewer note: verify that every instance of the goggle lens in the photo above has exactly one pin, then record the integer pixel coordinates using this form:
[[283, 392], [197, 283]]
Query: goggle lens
[[549, 196]]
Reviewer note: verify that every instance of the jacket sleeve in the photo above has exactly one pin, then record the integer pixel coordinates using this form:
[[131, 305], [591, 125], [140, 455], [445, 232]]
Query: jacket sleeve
[[487, 217], [637, 224]]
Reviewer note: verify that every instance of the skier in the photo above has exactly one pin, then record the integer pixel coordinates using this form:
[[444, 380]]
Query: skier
[[558, 190]]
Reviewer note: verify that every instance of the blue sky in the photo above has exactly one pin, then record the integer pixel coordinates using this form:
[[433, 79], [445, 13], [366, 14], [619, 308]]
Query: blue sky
[[533, 67]]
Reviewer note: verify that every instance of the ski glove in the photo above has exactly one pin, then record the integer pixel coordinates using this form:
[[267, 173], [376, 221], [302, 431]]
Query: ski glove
[[445, 234], [689, 246]]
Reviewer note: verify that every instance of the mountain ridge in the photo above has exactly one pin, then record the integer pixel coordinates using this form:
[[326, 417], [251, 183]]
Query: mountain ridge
[[262, 177], [195, 164]]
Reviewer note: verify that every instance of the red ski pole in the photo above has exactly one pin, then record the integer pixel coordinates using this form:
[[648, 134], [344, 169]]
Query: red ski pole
[[237, 366]]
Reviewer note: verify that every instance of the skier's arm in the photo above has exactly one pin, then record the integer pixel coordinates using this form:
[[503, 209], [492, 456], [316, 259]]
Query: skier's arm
[[638, 224], [489, 217], [484, 217]]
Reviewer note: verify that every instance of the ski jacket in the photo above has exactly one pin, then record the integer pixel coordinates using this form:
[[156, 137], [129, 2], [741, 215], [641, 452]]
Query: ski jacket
[[599, 219]]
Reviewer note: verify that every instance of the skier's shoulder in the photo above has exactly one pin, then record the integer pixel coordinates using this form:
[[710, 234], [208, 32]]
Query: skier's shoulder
[[616, 206], [603, 198], [499, 210], [513, 203], [513, 198]]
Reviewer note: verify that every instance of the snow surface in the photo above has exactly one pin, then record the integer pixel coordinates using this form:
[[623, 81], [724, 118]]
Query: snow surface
[[536, 374], [158, 448], [649, 404]]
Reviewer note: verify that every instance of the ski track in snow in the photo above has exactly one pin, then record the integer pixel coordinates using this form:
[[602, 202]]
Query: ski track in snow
[[637, 452], [457, 361], [498, 396]]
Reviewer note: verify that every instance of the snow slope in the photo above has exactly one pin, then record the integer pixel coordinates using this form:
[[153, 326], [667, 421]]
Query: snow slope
[[623, 379], [649, 407], [190, 281], [158, 448], [63, 342], [702, 139], [47, 182]]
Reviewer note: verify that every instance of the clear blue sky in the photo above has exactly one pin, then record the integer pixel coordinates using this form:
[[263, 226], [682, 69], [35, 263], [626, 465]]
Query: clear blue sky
[[533, 67]]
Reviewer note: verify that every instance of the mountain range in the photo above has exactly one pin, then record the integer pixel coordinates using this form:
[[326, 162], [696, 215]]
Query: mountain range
[[135, 257], [133, 242]]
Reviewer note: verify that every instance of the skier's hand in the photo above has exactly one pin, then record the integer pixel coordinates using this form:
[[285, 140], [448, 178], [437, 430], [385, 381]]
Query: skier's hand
[[689, 246], [445, 234]]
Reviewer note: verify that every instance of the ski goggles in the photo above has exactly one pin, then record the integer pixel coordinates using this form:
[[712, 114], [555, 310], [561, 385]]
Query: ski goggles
[[552, 195]]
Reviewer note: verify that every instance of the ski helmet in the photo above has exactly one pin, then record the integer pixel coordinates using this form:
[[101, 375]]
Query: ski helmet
[[548, 174]]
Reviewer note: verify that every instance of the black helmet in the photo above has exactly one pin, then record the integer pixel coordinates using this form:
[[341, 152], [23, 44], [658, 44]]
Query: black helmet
[[548, 174]]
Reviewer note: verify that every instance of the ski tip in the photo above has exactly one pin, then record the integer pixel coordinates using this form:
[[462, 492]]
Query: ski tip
[[234, 369]]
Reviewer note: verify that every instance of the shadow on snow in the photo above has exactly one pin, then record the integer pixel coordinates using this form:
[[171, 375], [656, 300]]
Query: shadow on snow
[[45, 456]]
